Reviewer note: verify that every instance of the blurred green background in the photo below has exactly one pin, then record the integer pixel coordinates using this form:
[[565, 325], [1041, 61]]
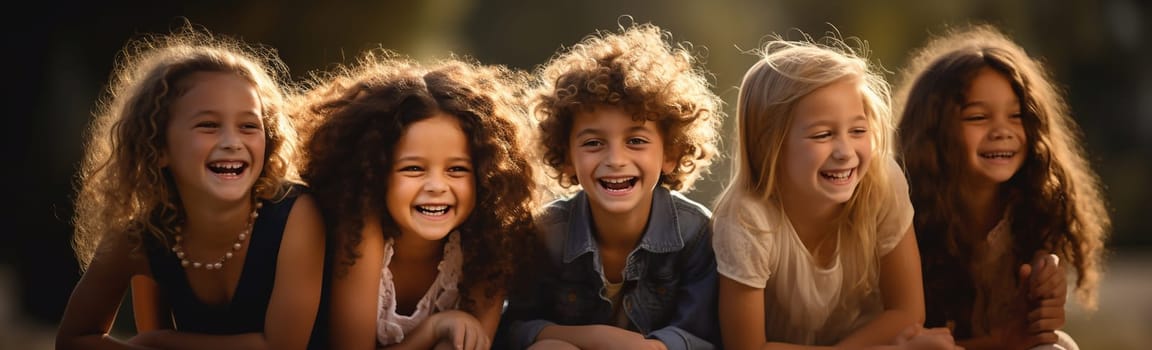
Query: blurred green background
[[61, 55]]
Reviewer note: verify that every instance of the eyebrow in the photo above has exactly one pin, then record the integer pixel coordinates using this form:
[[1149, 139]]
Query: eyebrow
[[631, 130], [419, 158], [216, 113], [1014, 101], [825, 122]]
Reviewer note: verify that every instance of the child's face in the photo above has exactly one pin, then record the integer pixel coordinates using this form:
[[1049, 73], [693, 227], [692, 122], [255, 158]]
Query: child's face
[[617, 160], [216, 142], [827, 148], [431, 187], [992, 132]]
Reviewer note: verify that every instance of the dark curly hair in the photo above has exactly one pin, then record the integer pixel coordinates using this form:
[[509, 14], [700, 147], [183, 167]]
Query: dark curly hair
[[121, 189], [353, 119], [1055, 197], [641, 72]]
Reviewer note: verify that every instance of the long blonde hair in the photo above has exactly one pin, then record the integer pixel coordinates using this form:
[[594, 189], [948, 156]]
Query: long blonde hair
[[787, 72]]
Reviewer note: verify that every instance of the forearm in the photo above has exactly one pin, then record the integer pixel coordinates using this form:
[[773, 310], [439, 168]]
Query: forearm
[[423, 337], [584, 337], [881, 330], [785, 346], [575, 335], [194, 341], [675, 338], [977, 343], [96, 342]]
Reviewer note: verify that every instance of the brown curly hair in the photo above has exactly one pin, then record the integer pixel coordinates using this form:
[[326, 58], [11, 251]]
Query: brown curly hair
[[641, 72], [121, 189], [356, 115], [1055, 198]]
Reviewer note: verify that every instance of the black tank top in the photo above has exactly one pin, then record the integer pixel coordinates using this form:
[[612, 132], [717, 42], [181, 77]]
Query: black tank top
[[249, 305]]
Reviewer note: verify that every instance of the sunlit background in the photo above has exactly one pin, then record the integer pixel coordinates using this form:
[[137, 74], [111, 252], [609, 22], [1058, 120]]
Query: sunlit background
[[61, 56]]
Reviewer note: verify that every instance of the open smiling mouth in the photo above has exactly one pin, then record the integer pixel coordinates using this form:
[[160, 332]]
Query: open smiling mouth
[[997, 155], [837, 175], [618, 184], [432, 210], [228, 168]]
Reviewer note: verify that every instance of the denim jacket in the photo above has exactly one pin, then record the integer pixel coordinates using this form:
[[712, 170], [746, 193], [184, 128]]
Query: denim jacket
[[670, 281]]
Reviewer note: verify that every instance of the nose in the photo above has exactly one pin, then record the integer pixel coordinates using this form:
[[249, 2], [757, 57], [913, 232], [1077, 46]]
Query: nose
[[841, 149], [1001, 131], [614, 158], [230, 140], [435, 184]]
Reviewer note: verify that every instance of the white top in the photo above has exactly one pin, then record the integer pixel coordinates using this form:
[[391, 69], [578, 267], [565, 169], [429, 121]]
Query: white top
[[801, 297], [442, 295]]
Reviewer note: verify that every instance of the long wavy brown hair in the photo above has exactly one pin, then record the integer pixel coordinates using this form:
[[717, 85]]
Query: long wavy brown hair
[[355, 115], [121, 188], [640, 70], [1055, 197]]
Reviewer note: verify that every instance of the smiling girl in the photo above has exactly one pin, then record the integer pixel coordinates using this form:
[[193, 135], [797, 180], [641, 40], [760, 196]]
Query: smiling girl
[[424, 183]]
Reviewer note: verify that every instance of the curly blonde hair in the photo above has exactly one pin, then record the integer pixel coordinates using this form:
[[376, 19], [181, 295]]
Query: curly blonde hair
[[640, 71], [121, 188], [1055, 197], [354, 116]]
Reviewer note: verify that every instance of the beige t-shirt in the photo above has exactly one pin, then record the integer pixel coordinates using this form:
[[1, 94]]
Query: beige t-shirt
[[612, 293], [997, 303], [801, 298]]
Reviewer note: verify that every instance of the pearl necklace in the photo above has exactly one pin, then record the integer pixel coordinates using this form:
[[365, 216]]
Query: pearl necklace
[[219, 263]]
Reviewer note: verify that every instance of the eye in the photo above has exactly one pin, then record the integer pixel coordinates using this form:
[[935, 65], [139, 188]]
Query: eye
[[974, 117], [410, 169], [208, 124], [821, 135], [592, 143], [859, 131], [459, 171], [252, 126], [637, 141]]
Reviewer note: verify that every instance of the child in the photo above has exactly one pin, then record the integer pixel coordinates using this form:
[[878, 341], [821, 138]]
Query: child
[[423, 180], [813, 233], [1005, 198], [629, 119], [186, 194]]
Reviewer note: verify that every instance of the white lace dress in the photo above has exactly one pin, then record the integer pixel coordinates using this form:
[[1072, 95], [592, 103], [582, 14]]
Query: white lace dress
[[442, 295]]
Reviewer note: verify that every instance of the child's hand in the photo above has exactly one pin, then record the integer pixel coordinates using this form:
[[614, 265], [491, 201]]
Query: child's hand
[[1047, 291], [917, 337], [461, 330], [1045, 277]]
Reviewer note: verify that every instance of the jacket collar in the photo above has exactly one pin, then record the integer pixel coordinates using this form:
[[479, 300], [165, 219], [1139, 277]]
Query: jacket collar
[[661, 234]]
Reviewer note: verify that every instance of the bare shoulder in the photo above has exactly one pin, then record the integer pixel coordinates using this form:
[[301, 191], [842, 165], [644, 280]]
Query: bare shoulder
[[304, 230]]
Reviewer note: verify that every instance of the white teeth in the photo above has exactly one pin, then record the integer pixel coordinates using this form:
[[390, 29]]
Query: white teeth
[[434, 210], [840, 175], [998, 154], [227, 165], [617, 181]]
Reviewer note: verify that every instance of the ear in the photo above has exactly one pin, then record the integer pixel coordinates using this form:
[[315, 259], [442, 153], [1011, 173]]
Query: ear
[[163, 161], [567, 170], [668, 166]]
